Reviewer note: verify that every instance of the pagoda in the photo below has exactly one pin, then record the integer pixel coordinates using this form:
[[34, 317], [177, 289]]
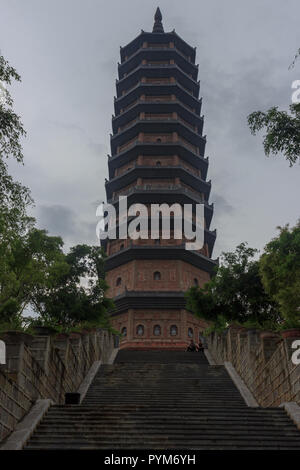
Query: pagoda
[[157, 156]]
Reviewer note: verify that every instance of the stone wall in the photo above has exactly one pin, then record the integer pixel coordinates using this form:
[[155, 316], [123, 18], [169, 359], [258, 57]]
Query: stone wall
[[46, 367], [263, 360]]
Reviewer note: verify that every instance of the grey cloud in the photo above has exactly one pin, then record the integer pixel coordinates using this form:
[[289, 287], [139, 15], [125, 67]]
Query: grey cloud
[[59, 220], [221, 205], [62, 221]]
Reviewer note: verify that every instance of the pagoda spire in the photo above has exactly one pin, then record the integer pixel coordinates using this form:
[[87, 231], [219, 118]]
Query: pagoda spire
[[158, 27]]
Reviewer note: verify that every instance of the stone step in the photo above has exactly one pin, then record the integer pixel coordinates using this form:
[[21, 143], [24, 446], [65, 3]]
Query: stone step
[[159, 418], [191, 441], [155, 446], [160, 356], [164, 400], [167, 409], [156, 415], [166, 428]]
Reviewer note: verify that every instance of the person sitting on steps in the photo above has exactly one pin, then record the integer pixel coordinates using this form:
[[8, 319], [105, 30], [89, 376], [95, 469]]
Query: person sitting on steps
[[200, 346], [192, 347]]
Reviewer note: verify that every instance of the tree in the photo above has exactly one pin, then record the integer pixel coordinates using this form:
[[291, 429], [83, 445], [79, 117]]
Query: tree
[[282, 128], [65, 300], [280, 271], [14, 197], [282, 131], [31, 262], [236, 292], [14, 200]]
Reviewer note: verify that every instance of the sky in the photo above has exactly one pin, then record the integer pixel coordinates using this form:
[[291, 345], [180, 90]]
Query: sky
[[67, 53]]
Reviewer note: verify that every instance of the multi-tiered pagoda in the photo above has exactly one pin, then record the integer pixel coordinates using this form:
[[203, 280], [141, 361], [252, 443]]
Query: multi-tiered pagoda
[[157, 156]]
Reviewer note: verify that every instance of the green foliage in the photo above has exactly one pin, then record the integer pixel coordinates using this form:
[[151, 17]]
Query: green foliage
[[14, 200], [11, 128], [236, 293], [14, 197], [202, 302], [218, 326], [280, 271], [282, 128], [282, 131], [65, 300], [28, 262]]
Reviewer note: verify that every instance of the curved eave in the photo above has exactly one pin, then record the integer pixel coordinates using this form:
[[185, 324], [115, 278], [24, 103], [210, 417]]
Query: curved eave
[[151, 89], [159, 126], [163, 172], [166, 37], [209, 239], [142, 300], [139, 148], [164, 107], [192, 257], [157, 54], [158, 148]]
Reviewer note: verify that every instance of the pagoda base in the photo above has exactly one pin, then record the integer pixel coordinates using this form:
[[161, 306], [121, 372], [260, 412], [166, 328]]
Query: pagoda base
[[150, 328]]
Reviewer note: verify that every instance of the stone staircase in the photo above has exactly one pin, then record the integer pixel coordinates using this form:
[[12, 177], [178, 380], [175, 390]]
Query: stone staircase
[[164, 400]]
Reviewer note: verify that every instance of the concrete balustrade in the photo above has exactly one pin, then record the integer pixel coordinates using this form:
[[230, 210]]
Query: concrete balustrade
[[46, 367], [263, 361]]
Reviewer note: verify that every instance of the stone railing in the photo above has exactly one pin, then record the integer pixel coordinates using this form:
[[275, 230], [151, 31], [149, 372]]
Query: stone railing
[[263, 360], [46, 367]]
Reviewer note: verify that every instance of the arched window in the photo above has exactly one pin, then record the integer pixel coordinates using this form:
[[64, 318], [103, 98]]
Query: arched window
[[119, 281], [173, 330], [156, 276], [196, 282], [140, 330], [190, 332], [124, 331], [157, 330]]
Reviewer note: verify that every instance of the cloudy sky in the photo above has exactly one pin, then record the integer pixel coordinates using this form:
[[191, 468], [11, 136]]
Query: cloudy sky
[[67, 52]]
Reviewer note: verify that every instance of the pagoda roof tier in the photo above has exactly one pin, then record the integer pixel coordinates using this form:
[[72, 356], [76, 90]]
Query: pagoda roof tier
[[158, 38], [151, 89], [159, 192], [165, 107], [158, 54], [162, 146], [155, 71], [169, 196], [159, 173], [160, 252], [142, 299], [149, 126], [156, 149]]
